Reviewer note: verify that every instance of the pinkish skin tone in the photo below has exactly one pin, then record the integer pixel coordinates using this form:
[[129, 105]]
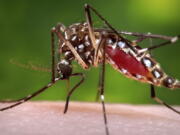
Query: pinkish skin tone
[[126, 61]]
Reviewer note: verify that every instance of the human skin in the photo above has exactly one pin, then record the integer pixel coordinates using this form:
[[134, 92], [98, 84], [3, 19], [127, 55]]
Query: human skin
[[47, 118]]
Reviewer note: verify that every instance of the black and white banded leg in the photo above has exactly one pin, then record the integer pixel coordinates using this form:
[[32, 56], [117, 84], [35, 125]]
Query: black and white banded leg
[[101, 85], [89, 8], [142, 36], [22, 100], [153, 96], [73, 89], [100, 48]]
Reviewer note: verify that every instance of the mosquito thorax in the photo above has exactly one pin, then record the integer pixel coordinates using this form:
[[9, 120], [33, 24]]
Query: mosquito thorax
[[77, 35], [64, 69]]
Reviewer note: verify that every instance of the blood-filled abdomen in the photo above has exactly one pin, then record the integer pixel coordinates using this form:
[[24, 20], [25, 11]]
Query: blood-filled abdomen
[[125, 61]]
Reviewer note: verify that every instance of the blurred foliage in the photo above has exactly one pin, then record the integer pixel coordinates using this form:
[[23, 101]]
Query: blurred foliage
[[25, 38]]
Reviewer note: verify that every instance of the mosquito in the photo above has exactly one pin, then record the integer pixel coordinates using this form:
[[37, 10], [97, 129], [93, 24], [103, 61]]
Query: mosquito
[[94, 47]]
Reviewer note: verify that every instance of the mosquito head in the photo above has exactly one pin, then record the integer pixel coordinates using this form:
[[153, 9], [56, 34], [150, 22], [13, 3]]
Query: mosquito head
[[64, 69]]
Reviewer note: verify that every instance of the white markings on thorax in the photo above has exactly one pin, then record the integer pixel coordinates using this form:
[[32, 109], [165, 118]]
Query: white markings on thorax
[[74, 38], [81, 47]]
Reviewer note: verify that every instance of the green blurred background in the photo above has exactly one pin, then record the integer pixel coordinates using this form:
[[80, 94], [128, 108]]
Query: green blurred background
[[25, 37]]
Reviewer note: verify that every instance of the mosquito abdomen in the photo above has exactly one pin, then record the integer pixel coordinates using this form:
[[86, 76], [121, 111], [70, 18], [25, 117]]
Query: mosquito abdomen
[[138, 66]]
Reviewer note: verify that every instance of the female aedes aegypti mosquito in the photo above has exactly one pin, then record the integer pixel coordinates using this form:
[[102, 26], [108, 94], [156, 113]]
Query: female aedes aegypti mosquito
[[91, 46]]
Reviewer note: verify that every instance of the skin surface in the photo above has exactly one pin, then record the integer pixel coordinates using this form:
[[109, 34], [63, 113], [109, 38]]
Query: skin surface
[[47, 118]]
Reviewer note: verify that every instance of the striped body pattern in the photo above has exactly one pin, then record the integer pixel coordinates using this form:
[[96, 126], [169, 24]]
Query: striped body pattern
[[138, 64]]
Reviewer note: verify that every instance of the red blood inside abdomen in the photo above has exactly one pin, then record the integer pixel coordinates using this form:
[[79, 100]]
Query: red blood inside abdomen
[[126, 61]]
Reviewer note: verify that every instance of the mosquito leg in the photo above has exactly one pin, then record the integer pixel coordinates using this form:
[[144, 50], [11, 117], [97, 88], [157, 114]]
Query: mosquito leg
[[59, 34], [92, 36], [137, 34], [88, 8], [101, 47], [73, 89], [139, 39], [170, 40], [102, 71], [90, 27], [67, 84], [173, 40], [147, 35], [150, 44], [22, 100], [101, 86], [91, 32], [143, 36], [153, 96]]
